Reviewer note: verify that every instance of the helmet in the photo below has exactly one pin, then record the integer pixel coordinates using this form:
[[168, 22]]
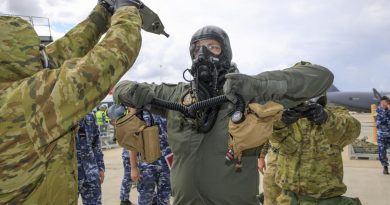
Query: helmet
[[116, 111], [102, 107], [19, 49], [218, 34]]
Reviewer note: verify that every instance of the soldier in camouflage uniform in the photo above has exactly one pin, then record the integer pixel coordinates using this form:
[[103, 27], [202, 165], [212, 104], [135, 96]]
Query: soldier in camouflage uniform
[[89, 161], [271, 189], [309, 164], [40, 108], [199, 174], [126, 181], [153, 176], [383, 132]]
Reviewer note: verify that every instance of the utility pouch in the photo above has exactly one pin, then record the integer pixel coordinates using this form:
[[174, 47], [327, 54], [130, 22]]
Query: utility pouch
[[151, 144], [128, 132], [255, 129]]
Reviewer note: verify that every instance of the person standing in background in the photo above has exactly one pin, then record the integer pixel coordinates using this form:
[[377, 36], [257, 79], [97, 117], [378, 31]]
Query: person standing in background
[[383, 132], [90, 161]]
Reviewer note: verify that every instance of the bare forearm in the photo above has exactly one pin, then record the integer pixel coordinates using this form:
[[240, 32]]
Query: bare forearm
[[133, 159]]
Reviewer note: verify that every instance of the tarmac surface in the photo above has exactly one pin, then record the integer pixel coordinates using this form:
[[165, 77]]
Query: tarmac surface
[[363, 178]]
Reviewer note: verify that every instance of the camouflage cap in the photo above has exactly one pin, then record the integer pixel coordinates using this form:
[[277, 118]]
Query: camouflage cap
[[19, 49]]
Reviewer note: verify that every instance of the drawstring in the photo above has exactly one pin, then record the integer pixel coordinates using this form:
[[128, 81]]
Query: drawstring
[[45, 59]]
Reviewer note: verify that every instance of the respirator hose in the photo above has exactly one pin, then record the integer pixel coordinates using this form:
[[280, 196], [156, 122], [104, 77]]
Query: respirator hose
[[191, 110]]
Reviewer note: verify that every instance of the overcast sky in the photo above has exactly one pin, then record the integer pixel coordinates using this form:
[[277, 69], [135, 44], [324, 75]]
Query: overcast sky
[[350, 37]]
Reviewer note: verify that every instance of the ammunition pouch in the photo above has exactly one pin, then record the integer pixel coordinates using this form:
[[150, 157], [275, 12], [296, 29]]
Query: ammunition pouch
[[256, 128], [133, 134], [151, 148]]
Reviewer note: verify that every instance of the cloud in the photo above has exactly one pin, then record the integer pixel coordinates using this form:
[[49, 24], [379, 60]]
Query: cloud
[[349, 37], [23, 7]]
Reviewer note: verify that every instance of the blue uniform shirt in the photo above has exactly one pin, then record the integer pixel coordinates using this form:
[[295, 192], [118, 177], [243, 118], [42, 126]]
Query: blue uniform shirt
[[88, 143], [383, 120]]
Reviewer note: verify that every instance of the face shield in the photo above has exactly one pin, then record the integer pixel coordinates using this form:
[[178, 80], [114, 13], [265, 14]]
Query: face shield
[[213, 46]]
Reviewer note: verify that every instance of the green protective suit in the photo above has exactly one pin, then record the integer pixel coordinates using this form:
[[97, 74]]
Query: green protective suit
[[39, 108], [309, 166], [200, 173]]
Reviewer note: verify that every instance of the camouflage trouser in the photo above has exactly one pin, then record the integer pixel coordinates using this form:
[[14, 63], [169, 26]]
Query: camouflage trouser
[[383, 144], [126, 182], [290, 198], [152, 175], [271, 189], [90, 191]]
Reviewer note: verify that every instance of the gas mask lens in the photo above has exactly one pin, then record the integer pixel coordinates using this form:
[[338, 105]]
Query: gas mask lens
[[212, 45]]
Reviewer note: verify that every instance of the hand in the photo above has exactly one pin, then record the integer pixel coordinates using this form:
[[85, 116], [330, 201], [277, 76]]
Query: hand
[[316, 113], [101, 177], [133, 94], [135, 175], [143, 95], [261, 165], [290, 116], [108, 4], [233, 85]]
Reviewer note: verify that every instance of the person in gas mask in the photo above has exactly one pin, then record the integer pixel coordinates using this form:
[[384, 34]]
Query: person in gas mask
[[45, 92], [200, 172]]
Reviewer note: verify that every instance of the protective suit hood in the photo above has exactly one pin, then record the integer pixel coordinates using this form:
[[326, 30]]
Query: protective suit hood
[[19, 49], [218, 34]]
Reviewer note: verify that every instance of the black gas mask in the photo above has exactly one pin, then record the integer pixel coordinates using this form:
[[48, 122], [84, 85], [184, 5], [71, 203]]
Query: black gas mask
[[208, 70]]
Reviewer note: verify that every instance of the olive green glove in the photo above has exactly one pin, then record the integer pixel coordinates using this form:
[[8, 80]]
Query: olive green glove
[[133, 94]]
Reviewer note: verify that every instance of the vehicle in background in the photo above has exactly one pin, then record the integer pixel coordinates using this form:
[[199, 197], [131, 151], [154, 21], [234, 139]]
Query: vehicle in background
[[355, 101]]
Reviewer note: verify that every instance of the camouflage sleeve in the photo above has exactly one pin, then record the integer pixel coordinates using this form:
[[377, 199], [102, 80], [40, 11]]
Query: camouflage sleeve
[[264, 150], [81, 39], [341, 128], [60, 97], [98, 153]]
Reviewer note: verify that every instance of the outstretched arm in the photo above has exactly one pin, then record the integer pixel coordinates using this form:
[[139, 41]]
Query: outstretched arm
[[134, 94], [62, 96], [290, 87]]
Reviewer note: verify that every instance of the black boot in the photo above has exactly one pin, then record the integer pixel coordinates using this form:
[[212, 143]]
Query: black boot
[[127, 202], [385, 170]]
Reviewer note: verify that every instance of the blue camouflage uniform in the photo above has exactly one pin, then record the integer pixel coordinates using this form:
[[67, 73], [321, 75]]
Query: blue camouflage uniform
[[156, 175], [126, 181], [89, 160], [383, 133]]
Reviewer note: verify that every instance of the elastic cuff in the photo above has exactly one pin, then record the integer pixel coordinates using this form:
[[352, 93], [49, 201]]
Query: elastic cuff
[[100, 16]]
